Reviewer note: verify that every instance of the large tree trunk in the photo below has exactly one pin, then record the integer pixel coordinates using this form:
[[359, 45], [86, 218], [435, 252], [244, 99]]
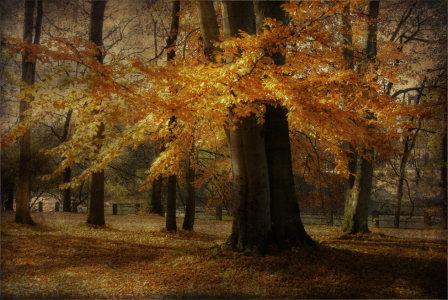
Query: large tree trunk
[[95, 208], [259, 231], [285, 212], [28, 74], [190, 205], [249, 163], [358, 187], [171, 199], [66, 198], [239, 230], [287, 226]]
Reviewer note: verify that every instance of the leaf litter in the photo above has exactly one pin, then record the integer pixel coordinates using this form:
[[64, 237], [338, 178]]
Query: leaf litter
[[135, 257]]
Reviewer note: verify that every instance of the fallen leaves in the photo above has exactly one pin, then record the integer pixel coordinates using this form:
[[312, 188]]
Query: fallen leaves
[[134, 257]]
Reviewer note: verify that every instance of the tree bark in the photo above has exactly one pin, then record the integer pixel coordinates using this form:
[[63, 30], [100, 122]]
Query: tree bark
[[95, 208], [191, 196], [22, 214], [358, 187], [287, 226]]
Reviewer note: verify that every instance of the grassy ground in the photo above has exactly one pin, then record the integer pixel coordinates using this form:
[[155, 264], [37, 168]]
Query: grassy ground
[[134, 257]]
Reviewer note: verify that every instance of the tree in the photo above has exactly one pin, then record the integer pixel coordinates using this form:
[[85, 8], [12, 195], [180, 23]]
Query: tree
[[285, 212], [252, 177], [359, 184], [443, 169], [155, 207], [190, 205], [66, 200], [28, 73], [249, 164], [415, 27], [256, 94], [95, 211], [171, 199]]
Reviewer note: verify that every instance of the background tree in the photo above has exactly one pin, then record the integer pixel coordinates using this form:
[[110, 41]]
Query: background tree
[[95, 211], [171, 199], [190, 205], [359, 184], [28, 73]]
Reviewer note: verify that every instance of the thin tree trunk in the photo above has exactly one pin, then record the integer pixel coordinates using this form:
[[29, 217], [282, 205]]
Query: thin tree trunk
[[404, 159], [408, 146], [171, 204], [95, 208], [191, 196], [155, 206], [443, 171], [66, 200], [155, 39], [210, 34], [9, 195], [171, 199], [171, 41], [28, 74], [357, 192]]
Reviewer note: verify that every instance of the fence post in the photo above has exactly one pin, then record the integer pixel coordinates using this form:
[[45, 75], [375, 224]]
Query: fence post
[[427, 221], [375, 219], [114, 209], [41, 207], [329, 217], [219, 213], [137, 208], [56, 206]]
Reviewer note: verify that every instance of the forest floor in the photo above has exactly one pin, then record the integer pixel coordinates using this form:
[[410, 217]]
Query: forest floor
[[134, 257]]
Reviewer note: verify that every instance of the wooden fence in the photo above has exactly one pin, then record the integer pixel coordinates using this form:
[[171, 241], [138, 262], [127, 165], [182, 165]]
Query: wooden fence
[[419, 222]]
